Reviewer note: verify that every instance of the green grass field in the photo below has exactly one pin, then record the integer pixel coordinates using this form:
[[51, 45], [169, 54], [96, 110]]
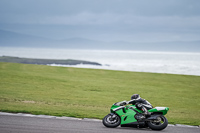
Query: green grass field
[[77, 92]]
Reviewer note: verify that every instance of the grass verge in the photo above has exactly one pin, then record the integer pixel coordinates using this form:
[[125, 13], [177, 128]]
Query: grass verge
[[77, 92]]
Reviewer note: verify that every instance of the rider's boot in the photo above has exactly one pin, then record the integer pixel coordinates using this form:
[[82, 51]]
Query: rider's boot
[[146, 112]]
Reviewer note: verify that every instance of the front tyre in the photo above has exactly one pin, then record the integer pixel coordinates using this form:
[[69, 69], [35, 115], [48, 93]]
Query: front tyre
[[111, 120], [159, 124]]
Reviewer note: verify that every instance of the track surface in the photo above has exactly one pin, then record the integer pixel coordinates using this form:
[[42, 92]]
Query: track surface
[[22, 124]]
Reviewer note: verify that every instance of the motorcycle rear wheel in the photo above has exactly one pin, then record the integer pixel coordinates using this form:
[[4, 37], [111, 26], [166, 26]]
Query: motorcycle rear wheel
[[159, 124], [111, 121]]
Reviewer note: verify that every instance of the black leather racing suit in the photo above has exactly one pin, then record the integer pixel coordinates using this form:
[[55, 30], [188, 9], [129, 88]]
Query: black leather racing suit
[[141, 104]]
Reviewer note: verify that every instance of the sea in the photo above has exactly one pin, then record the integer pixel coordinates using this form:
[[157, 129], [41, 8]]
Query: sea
[[184, 63]]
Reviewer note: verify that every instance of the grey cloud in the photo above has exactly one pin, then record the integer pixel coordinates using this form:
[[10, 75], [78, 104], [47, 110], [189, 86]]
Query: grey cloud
[[141, 7], [133, 20]]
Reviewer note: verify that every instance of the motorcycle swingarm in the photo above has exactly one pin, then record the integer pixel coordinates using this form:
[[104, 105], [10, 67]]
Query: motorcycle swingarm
[[153, 117]]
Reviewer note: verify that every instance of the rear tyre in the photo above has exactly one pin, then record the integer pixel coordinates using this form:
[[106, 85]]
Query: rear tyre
[[159, 124], [111, 121]]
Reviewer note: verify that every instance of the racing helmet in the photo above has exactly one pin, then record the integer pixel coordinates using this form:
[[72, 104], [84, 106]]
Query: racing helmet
[[135, 96]]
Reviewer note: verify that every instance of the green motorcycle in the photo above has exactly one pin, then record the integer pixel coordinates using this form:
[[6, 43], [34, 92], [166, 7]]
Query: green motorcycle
[[130, 116]]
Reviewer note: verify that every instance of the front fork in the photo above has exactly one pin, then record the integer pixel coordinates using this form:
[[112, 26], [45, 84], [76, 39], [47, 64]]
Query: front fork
[[113, 116]]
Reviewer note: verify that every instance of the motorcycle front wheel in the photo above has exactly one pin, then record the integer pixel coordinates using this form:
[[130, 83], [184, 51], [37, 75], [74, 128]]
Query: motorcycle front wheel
[[111, 121], [159, 124]]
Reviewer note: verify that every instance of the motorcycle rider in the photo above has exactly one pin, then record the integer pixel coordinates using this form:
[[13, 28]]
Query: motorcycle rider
[[140, 103]]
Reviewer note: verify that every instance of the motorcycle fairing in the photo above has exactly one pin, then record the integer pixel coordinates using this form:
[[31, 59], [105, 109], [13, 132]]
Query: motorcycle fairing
[[127, 115]]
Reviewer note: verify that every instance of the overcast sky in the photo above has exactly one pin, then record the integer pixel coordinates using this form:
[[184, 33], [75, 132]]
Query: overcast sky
[[104, 20]]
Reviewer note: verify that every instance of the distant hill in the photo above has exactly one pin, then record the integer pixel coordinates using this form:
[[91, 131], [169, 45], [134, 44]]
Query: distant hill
[[12, 39], [8, 38]]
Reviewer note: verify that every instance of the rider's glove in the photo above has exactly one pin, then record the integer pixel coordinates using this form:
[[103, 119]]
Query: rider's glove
[[124, 103]]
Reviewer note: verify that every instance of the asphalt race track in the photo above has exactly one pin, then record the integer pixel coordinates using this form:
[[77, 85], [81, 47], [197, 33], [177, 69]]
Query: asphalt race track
[[28, 124]]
